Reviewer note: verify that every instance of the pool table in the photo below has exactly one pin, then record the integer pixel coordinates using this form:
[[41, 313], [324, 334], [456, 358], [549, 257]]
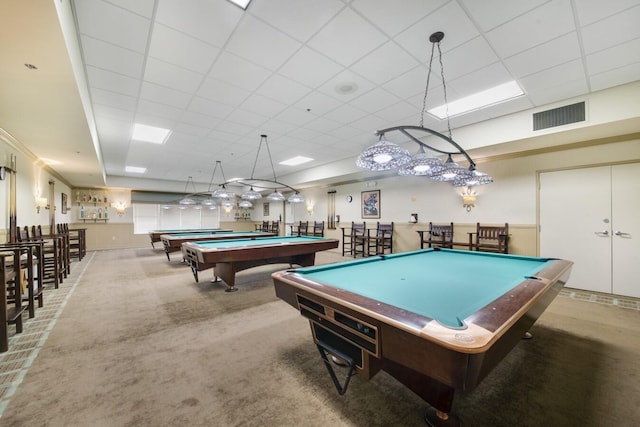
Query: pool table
[[227, 257], [154, 235], [173, 242], [438, 320]]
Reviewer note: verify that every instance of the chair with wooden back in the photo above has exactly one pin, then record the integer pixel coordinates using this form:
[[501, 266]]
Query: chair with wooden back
[[438, 236], [349, 234], [490, 239], [382, 241], [263, 227], [318, 229], [301, 229], [360, 240], [275, 228], [51, 258]]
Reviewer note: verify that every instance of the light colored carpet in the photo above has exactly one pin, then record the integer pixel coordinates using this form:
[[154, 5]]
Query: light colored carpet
[[139, 343]]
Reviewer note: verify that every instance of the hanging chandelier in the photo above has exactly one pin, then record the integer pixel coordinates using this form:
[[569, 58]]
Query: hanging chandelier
[[386, 155], [272, 184], [186, 200]]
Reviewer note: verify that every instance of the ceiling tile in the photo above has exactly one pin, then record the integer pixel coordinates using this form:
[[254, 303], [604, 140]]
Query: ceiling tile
[[309, 67], [254, 40], [112, 99], [545, 23], [591, 11], [464, 59], [103, 79], [489, 14], [113, 58], [177, 48], [163, 95], [141, 7], [310, 15], [98, 20], [211, 22], [598, 36], [384, 63], [282, 89], [209, 108], [547, 55], [375, 100], [362, 38], [262, 105], [615, 77], [416, 38], [384, 13], [171, 76], [239, 72], [615, 57], [224, 93], [318, 103]]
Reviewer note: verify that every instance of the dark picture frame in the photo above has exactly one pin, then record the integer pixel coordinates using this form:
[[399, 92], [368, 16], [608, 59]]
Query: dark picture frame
[[370, 204], [63, 208], [265, 209]]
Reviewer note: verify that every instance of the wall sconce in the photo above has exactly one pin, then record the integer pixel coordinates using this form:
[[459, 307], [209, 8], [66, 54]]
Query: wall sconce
[[310, 206], [469, 199], [120, 208], [413, 218], [41, 202]]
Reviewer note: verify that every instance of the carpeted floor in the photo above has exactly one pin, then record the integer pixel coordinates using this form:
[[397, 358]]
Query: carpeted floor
[[137, 342]]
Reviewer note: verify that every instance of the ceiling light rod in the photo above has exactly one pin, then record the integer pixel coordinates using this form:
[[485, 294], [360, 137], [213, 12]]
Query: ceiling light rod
[[276, 195], [405, 128]]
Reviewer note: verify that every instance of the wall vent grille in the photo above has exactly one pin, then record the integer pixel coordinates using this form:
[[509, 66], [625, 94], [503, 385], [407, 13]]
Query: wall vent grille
[[559, 116]]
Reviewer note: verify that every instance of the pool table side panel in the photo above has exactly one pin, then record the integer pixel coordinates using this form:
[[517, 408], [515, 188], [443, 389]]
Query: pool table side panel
[[264, 252]]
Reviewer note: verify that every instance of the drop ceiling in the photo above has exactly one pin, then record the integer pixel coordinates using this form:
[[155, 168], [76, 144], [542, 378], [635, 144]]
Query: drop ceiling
[[319, 77]]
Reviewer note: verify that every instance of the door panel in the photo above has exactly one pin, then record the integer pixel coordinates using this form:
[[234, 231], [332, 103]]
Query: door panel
[[625, 202], [575, 224]]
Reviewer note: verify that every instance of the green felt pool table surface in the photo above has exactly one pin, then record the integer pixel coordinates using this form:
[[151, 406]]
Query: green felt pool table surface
[[445, 285]]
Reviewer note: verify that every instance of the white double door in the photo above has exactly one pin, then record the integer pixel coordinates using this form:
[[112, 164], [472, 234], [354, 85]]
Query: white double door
[[591, 216]]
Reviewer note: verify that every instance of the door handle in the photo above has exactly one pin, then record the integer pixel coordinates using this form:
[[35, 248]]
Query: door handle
[[604, 233], [621, 234]]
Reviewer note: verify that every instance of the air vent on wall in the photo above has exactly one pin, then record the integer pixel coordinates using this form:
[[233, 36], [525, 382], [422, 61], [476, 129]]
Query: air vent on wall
[[559, 116]]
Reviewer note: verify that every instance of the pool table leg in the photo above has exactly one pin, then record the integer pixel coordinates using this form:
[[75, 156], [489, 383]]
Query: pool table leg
[[226, 272], [435, 418]]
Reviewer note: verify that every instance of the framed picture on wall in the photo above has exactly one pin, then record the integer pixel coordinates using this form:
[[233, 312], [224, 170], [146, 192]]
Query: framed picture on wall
[[370, 204], [265, 209], [63, 209]]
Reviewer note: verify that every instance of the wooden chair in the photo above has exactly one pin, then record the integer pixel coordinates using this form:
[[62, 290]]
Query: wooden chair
[[263, 227], [349, 234], [11, 307], [360, 240], [275, 228], [318, 229], [30, 261], [52, 260], [438, 236], [490, 239], [301, 229], [76, 236], [382, 241]]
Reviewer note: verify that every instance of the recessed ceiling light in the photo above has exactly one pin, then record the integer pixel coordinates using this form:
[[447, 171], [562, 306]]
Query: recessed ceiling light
[[134, 169], [495, 95], [294, 161], [152, 134], [241, 3]]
